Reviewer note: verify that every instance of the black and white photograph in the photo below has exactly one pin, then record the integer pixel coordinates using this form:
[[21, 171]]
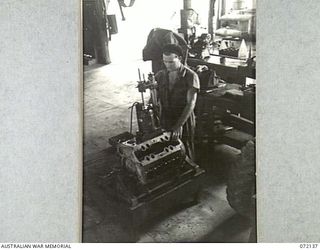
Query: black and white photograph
[[140, 121], [169, 121]]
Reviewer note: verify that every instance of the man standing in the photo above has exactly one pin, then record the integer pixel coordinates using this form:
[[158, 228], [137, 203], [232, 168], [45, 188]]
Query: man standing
[[177, 91]]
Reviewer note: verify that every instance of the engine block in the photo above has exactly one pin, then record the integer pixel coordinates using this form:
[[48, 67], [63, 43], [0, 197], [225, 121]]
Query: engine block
[[152, 159]]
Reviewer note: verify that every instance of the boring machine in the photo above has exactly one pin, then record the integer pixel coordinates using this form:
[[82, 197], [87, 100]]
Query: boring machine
[[154, 171]]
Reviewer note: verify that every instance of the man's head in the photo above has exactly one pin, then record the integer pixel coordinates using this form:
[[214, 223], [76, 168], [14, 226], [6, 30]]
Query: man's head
[[172, 56]]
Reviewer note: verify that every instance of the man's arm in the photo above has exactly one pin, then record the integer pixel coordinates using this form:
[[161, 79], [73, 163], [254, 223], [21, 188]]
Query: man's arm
[[191, 103]]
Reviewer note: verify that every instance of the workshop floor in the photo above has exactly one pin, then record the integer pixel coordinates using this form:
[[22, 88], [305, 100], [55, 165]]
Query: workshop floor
[[108, 93]]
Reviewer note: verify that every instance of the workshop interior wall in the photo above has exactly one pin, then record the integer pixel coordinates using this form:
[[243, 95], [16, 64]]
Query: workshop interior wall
[[143, 16]]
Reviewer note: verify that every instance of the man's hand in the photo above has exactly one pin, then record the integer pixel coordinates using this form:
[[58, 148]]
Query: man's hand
[[176, 133]]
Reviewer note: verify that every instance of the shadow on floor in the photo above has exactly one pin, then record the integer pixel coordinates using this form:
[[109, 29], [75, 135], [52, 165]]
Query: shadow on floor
[[236, 229]]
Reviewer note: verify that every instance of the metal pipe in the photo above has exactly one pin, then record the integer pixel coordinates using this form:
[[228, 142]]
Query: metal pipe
[[143, 104]]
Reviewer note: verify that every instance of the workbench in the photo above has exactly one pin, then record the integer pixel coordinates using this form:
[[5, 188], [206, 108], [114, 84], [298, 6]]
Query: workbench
[[229, 69]]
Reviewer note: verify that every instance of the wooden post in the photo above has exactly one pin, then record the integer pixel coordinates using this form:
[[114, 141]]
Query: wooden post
[[184, 14], [221, 12], [186, 4], [223, 7], [210, 17], [102, 39]]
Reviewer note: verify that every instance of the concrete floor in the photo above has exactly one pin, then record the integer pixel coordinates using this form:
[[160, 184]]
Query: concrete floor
[[108, 93]]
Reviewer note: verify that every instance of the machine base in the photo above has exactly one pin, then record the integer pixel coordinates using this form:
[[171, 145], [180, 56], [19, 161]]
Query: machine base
[[143, 207]]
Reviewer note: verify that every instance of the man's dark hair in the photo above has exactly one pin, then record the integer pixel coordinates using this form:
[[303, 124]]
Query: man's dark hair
[[172, 48]]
